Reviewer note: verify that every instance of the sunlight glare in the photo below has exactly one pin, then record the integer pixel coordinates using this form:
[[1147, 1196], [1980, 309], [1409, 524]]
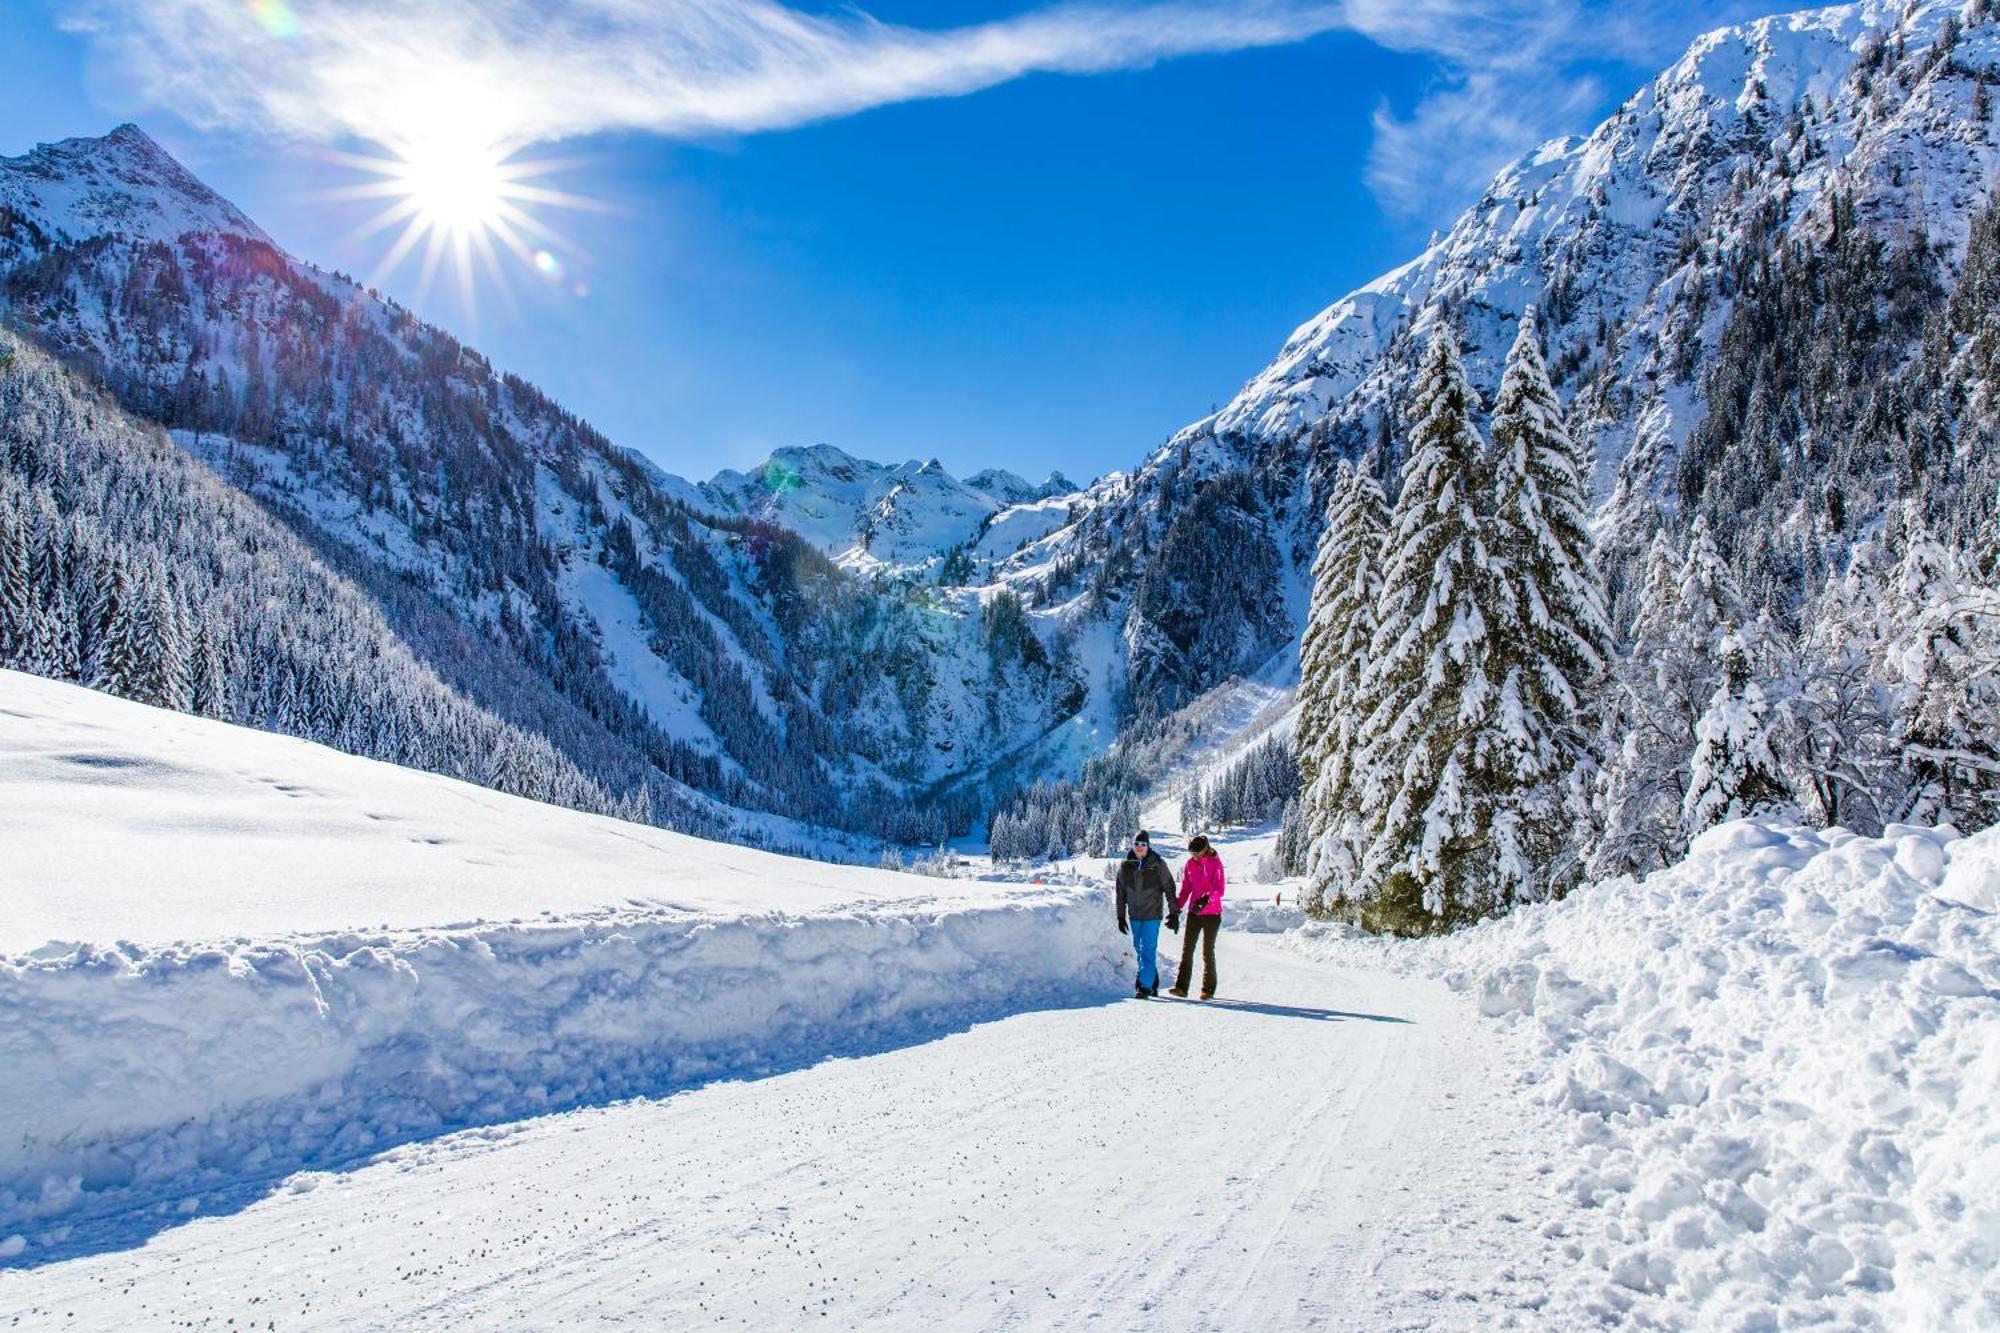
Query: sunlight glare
[[451, 194], [455, 187]]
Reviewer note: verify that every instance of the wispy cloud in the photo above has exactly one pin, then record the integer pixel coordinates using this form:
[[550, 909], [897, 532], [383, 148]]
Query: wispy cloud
[[1510, 74], [530, 71]]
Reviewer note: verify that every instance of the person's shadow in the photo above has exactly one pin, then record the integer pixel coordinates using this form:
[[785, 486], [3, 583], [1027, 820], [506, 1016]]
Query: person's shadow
[[1297, 1011]]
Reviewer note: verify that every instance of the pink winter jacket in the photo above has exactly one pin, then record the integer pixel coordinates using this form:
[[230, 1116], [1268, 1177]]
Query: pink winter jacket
[[1202, 875]]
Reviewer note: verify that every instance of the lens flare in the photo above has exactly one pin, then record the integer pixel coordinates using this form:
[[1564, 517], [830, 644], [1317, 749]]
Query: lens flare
[[275, 17]]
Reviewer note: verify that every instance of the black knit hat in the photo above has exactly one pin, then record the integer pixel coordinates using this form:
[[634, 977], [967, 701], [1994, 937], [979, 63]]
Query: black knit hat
[[1140, 836]]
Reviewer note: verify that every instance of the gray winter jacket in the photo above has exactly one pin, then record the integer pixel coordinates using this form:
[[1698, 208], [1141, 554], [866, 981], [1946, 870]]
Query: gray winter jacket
[[1145, 888]]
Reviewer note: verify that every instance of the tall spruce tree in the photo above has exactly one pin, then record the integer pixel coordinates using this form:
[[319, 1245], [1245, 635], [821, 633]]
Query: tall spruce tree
[[1562, 650], [1347, 581], [1443, 830], [118, 655]]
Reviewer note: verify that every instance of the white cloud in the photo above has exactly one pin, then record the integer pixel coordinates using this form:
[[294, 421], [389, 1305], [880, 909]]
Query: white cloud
[[1508, 73], [514, 71]]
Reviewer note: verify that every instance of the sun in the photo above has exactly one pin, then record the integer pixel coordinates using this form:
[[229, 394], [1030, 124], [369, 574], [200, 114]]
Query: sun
[[455, 196], [453, 189]]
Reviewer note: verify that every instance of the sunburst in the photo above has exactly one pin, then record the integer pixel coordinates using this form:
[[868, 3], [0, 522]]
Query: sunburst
[[454, 196]]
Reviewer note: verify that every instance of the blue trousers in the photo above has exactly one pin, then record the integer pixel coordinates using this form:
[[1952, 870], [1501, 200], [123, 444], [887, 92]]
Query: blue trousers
[[1146, 944]]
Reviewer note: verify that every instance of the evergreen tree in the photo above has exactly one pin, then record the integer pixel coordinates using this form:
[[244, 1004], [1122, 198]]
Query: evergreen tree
[[1333, 661], [52, 644], [1557, 645], [1733, 773], [15, 607], [1842, 761], [1445, 841], [119, 655], [1666, 681], [210, 673], [1945, 656]]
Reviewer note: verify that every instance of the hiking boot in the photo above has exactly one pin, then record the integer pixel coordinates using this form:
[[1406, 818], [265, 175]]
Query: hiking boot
[[1139, 992], [1208, 995], [1154, 992], [1178, 993]]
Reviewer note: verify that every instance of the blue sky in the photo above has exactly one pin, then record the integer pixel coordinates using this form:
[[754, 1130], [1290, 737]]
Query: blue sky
[[1051, 269]]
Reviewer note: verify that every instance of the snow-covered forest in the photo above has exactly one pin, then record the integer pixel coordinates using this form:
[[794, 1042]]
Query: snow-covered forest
[[1473, 739]]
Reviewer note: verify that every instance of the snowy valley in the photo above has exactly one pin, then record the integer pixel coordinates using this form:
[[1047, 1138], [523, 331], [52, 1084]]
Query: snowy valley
[[456, 873]]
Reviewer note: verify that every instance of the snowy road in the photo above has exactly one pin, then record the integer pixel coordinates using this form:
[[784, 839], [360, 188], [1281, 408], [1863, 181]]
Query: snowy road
[[1302, 1155]]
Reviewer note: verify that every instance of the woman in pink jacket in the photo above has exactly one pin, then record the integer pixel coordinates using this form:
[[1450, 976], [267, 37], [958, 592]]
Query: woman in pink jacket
[[1201, 900]]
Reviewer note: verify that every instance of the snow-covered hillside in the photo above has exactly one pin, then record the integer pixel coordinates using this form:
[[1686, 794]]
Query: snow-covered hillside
[[226, 954]]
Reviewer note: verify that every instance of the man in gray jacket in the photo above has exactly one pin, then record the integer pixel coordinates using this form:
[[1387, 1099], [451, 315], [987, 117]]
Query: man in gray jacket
[[1145, 894]]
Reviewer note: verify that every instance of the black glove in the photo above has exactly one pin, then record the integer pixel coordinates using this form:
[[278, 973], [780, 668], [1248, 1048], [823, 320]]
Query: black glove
[[1174, 924], [1121, 926]]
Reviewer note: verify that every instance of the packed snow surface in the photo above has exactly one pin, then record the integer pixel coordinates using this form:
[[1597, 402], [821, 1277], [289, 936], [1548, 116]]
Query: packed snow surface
[[1779, 1062], [1317, 1150]]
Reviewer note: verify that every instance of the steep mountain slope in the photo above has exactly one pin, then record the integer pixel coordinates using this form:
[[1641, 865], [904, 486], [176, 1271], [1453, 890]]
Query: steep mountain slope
[[722, 650], [1858, 140]]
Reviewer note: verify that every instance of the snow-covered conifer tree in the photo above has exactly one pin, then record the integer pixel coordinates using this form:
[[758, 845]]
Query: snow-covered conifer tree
[[1666, 681], [15, 606], [1347, 581], [118, 653], [1944, 654], [52, 644], [1560, 649], [1443, 832], [1841, 754], [1733, 773]]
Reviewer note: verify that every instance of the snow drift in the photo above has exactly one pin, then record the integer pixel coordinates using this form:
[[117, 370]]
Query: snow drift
[[326, 1010], [135, 1069], [1780, 1061]]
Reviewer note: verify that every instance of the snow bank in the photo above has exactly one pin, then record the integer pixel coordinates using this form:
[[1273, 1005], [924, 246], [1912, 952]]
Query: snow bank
[[135, 1072], [382, 954], [1781, 1064]]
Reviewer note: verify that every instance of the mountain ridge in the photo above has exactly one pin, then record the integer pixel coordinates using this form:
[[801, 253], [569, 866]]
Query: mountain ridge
[[731, 613]]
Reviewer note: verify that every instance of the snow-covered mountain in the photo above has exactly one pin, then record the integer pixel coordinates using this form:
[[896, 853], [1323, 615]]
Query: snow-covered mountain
[[1856, 140], [877, 517], [1752, 278], [543, 573], [122, 184]]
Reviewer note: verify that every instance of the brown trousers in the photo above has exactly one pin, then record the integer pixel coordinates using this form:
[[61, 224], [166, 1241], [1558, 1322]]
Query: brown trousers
[[1204, 929]]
